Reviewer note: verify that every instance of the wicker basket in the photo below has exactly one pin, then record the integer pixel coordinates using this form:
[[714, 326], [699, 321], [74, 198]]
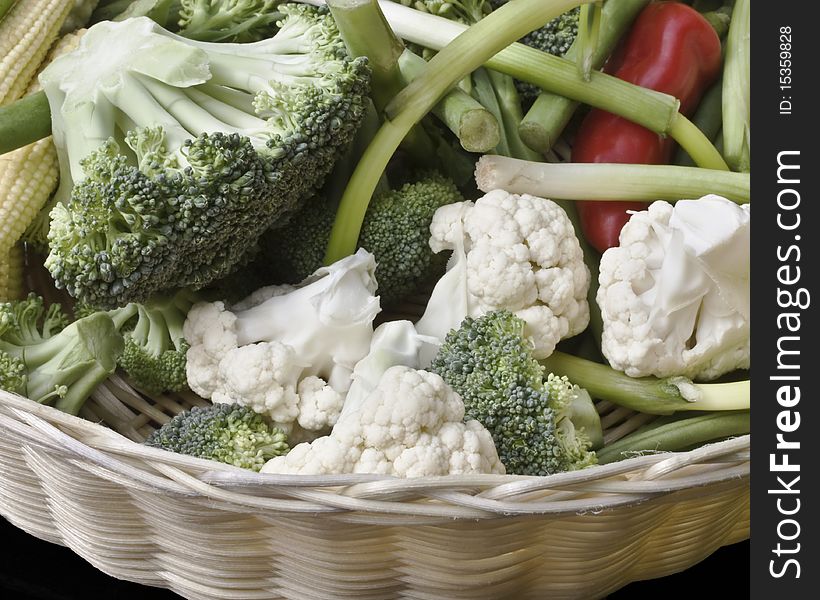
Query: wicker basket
[[207, 530]]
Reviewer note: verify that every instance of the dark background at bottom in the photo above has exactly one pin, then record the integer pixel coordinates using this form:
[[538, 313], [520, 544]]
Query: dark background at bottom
[[38, 570]]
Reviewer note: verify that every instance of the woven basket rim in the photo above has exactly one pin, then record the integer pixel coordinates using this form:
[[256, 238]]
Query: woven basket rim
[[624, 483]]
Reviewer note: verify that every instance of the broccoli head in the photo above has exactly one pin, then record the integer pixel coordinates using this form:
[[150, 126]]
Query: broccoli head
[[489, 362], [49, 361], [396, 230], [227, 433], [176, 155]]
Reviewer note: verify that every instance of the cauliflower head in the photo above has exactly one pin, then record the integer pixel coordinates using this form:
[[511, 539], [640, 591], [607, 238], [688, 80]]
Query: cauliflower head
[[513, 252], [674, 296], [410, 425]]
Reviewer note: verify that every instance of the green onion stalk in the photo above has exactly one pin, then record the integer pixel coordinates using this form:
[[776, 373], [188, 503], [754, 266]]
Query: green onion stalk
[[650, 395], [736, 90], [382, 49], [676, 435], [608, 181], [589, 34]]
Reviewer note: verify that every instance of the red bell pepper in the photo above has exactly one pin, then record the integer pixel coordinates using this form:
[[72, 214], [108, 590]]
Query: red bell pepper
[[670, 48]]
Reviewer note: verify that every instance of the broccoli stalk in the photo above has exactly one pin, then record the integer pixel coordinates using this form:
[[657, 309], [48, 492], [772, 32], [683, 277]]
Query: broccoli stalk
[[488, 361], [155, 349], [226, 433], [649, 395], [49, 363], [170, 176]]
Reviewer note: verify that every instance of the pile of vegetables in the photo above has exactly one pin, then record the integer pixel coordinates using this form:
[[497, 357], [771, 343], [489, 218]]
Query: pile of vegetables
[[404, 237]]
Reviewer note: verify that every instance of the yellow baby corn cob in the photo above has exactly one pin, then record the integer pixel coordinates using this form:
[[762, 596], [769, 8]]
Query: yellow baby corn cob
[[28, 177], [26, 33]]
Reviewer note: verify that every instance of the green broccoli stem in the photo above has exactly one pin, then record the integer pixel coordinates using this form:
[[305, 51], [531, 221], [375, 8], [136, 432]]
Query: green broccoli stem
[[589, 37], [544, 123], [366, 32], [69, 366], [677, 435], [511, 114], [736, 73], [24, 121], [166, 321], [464, 55], [708, 118], [651, 395], [475, 127], [608, 181], [121, 316]]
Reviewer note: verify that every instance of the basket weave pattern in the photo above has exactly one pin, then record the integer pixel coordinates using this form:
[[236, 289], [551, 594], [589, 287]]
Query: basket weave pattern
[[207, 530]]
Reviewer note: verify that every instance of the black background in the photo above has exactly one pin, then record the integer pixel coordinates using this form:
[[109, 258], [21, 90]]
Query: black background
[[775, 133], [39, 570]]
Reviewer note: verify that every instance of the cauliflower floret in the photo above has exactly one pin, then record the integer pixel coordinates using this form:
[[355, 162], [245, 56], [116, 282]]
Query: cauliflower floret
[[209, 331], [514, 252], [263, 377], [319, 404], [410, 425], [674, 296], [288, 351]]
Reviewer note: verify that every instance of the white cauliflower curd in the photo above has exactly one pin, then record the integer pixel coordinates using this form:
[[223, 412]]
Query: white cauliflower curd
[[514, 252], [674, 296], [410, 425]]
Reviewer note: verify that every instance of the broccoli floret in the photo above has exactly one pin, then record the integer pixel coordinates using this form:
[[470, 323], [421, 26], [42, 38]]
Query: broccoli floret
[[396, 231], [556, 36], [489, 362], [155, 349], [176, 155], [294, 252], [227, 433], [49, 361], [29, 321]]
